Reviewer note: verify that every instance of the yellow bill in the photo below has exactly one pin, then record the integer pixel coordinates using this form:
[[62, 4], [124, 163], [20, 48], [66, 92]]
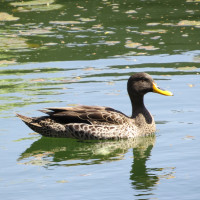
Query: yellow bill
[[158, 90]]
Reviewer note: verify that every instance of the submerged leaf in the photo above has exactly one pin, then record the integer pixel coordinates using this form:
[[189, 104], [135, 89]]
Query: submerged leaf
[[7, 17], [149, 48], [188, 23], [88, 69], [156, 37], [65, 22], [37, 31], [153, 24], [38, 80], [167, 24], [7, 62], [109, 32], [130, 44], [32, 3], [112, 42], [189, 137], [10, 43], [193, 1], [62, 181], [39, 8], [191, 85], [131, 11], [154, 31], [188, 68], [87, 19]]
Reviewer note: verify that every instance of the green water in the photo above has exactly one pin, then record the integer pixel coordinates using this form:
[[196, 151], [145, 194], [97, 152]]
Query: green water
[[65, 53]]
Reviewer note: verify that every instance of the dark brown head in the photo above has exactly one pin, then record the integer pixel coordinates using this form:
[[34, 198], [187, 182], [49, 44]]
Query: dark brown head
[[138, 85], [141, 83]]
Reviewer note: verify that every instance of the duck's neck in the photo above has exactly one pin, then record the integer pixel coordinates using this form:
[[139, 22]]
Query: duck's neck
[[137, 106], [139, 112]]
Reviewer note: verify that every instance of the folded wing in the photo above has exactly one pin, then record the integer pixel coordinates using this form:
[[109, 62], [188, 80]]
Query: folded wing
[[86, 114]]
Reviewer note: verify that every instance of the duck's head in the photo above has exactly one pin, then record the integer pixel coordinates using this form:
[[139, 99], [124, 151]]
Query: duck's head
[[141, 83]]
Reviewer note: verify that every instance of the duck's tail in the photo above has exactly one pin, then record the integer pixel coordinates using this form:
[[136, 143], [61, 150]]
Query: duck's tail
[[32, 123], [24, 118], [44, 126]]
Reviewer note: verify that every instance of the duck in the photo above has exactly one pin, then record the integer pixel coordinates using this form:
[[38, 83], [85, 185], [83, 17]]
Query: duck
[[99, 122]]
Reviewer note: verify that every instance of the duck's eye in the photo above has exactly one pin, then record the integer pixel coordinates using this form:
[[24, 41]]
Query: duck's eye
[[143, 80]]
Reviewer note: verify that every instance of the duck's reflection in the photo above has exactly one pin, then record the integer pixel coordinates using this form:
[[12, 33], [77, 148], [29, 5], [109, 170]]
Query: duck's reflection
[[57, 151], [142, 177], [49, 152]]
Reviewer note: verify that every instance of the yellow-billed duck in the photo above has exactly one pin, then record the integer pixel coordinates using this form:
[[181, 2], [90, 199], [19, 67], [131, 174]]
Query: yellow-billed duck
[[97, 122]]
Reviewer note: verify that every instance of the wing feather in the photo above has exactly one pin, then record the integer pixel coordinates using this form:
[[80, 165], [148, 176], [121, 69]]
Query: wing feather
[[86, 114]]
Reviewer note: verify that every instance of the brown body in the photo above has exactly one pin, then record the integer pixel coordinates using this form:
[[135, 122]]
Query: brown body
[[96, 122]]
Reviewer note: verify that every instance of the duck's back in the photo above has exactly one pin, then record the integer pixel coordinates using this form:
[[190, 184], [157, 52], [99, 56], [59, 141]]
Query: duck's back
[[83, 122]]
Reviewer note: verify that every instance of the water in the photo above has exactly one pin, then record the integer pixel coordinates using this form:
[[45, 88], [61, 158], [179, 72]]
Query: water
[[82, 52]]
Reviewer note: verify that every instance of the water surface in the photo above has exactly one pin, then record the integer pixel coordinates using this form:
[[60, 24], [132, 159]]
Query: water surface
[[58, 53]]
